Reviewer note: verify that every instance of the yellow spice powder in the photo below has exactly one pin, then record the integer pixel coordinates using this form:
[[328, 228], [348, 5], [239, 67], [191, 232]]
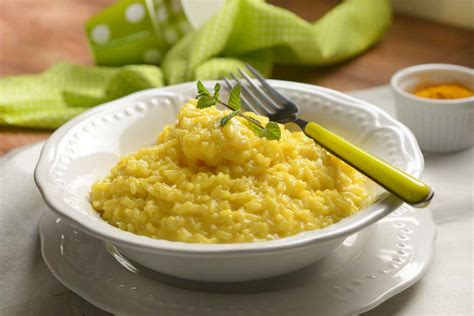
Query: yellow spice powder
[[445, 91]]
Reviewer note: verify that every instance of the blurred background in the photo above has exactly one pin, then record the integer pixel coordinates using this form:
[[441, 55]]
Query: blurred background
[[35, 34]]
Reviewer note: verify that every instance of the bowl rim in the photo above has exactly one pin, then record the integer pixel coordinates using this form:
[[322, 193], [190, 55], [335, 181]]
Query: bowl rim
[[387, 204], [413, 70]]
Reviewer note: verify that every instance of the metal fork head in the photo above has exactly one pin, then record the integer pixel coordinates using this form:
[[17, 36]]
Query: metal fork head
[[263, 99]]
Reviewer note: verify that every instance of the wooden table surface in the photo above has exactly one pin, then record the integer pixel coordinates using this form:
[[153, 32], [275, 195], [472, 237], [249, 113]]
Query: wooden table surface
[[35, 34]]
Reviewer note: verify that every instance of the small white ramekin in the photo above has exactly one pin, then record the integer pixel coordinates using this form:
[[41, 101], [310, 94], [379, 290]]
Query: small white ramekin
[[439, 125]]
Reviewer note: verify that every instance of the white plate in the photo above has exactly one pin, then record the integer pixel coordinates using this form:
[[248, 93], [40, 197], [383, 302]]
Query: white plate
[[367, 269]]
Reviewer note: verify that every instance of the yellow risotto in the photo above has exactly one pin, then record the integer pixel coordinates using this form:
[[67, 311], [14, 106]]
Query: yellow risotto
[[202, 183]]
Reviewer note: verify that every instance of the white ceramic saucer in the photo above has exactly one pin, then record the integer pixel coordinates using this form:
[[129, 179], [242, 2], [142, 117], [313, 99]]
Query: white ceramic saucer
[[366, 270]]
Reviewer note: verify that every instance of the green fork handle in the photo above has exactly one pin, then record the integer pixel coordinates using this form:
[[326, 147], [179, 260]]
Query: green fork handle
[[408, 188]]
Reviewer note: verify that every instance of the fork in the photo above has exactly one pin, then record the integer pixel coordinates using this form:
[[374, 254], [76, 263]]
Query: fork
[[265, 100]]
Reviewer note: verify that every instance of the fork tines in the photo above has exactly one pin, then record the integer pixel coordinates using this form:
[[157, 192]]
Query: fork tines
[[259, 98]]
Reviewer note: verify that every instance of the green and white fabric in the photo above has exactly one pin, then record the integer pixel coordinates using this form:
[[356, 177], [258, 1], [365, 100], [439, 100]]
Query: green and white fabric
[[156, 32], [55, 96], [255, 32]]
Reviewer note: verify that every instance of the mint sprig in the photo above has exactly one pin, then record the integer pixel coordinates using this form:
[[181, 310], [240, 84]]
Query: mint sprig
[[205, 99], [271, 131], [234, 98], [228, 117]]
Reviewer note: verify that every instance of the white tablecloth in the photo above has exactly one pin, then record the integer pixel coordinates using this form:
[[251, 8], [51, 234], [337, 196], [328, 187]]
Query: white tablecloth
[[447, 288], [28, 288]]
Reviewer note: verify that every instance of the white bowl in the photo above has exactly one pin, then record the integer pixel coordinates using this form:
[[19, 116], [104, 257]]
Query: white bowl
[[439, 125], [84, 150]]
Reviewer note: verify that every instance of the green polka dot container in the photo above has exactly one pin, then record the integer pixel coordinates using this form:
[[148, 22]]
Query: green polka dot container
[[136, 31]]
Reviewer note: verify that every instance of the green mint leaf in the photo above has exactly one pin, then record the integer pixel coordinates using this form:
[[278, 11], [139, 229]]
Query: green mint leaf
[[254, 126], [234, 98], [202, 91], [227, 118], [205, 102], [272, 131], [217, 87]]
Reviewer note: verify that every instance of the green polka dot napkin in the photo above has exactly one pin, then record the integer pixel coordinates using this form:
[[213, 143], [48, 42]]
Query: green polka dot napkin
[[255, 32], [157, 32]]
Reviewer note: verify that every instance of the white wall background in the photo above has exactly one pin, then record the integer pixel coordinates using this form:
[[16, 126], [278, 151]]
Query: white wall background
[[456, 12]]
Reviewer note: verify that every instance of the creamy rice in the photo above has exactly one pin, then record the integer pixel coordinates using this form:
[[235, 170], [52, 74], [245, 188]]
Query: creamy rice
[[205, 184]]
